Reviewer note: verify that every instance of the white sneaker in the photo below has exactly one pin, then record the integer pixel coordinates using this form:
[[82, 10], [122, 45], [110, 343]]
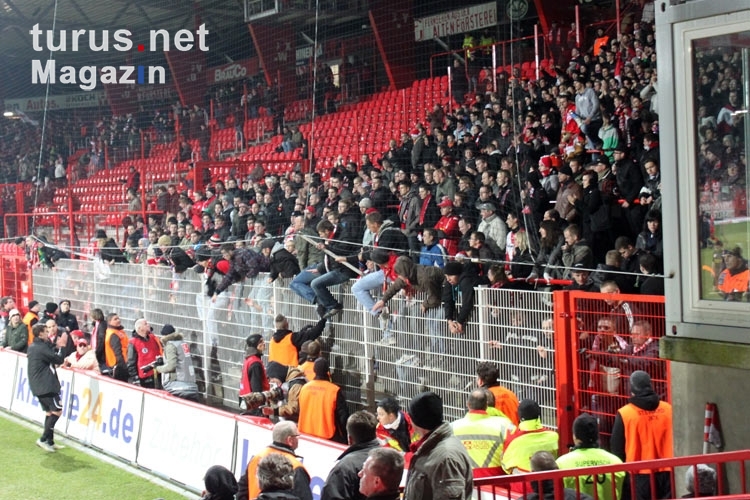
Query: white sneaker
[[45, 445], [58, 446]]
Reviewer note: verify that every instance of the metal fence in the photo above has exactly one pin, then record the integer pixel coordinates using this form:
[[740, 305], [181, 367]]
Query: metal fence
[[411, 353]]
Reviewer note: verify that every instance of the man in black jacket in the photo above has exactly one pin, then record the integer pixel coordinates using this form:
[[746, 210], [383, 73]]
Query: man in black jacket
[[342, 482], [333, 270], [42, 358]]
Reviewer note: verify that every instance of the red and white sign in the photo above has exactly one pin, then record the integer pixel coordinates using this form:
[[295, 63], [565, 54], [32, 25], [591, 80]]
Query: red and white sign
[[233, 71], [472, 18]]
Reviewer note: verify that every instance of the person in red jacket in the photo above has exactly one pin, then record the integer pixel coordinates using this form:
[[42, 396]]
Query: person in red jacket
[[254, 377], [447, 227]]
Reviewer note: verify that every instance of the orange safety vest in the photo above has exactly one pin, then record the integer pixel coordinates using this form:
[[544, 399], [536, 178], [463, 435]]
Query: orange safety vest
[[308, 370], [283, 351], [317, 408], [27, 320], [109, 353], [253, 489], [734, 283], [648, 434], [506, 401]]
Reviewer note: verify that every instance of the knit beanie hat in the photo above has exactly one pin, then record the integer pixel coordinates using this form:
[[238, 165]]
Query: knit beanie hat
[[640, 383], [528, 409], [426, 410], [50, 308], [454, 268], [586, 428], [253, 340]]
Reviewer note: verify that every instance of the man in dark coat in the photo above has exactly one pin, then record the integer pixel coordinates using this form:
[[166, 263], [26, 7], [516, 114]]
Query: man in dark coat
[[281, 261], [66, 319], [42, 358], [343, 480]]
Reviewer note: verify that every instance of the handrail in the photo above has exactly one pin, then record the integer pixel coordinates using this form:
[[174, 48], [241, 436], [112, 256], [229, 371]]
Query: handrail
[[504, 483]]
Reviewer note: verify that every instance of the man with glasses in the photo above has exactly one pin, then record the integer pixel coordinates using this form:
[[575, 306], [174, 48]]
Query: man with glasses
[[144, 353], [285, 441]]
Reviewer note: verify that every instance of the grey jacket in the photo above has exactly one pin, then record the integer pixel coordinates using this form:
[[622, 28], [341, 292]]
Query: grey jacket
[[440, 468]]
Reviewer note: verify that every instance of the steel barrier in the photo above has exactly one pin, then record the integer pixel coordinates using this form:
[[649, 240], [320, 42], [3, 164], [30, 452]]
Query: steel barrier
[[413, 353], [728, 466]]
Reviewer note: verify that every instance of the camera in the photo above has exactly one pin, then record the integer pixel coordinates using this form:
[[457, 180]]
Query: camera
[[257, 399], [159, 361]]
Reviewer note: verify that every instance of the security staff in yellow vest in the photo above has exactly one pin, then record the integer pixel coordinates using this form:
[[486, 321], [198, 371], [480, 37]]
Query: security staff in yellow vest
[[285, 344], [285, 441], [643, 431], [482, 435], [587, 454], [322, 407], [530, 436]]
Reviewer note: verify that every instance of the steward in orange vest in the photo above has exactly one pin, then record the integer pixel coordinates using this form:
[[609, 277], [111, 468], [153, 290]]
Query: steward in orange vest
[[505, 400], [115, 348], [643, 431], [31, 318], [285, 344], [322, 407], [285, 441]]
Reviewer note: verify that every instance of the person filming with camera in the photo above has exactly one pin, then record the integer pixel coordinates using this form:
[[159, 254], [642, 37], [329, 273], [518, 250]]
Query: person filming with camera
[[144, 354]]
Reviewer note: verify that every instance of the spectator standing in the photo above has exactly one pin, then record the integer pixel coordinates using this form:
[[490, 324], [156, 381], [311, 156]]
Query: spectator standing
[[143, 350], [42, 358], [440, 468], [643, 431], [16, 333], [66, 319], [394, 428], [177, 372], [381, 474], [342, 482]]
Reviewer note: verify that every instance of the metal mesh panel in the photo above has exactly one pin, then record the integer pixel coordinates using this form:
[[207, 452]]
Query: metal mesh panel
[[615, 335], [410, 353]]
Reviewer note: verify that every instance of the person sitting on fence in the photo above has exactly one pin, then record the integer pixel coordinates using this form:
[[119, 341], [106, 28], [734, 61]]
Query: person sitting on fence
[[587, 454], [530, 436], [243, 263]]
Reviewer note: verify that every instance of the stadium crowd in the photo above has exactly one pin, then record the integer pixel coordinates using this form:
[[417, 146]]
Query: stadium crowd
[[556, 178]]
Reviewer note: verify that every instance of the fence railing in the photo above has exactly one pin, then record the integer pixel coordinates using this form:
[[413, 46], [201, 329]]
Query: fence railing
[[731, 478], [536, 338]]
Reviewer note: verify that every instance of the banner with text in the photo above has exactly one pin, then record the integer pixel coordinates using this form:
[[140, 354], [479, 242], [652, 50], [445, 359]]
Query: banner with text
[[232, 71], [475, 17], [78, 100], [184, 448]]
